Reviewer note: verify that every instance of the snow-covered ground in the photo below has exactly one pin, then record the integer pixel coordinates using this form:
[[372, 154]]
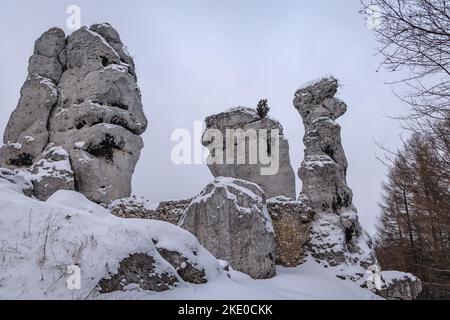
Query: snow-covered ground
[[310, 281], [39, 241]]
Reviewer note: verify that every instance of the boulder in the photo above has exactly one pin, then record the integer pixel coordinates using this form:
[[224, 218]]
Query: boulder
[[280, 178], [230, 219], [399, 286]]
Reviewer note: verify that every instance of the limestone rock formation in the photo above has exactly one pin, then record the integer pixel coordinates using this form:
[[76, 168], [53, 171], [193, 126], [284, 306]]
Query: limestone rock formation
[[81, 98], [292, 225], [280, 182], [230, 219], [323, 171], [336, 236], [26, 134]]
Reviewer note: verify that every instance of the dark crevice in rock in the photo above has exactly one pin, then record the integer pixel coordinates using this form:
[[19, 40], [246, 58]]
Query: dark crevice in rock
[[118, 120], [81, 124], [269, 145], [349, 233], [119, 105], [105, 148], [105, 61], [23, 160], [328, 150]]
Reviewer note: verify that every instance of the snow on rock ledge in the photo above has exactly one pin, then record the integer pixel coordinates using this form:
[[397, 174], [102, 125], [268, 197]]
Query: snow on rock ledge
[[41, 240], [230, 218]]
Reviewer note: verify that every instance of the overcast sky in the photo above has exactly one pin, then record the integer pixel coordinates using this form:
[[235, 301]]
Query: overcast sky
[[197, 57]]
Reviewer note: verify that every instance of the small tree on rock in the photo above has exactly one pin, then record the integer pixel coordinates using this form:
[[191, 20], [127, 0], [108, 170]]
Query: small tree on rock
[[263, 108]]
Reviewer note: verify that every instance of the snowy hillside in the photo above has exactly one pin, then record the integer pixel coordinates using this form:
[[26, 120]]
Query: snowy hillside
[[39, 241]]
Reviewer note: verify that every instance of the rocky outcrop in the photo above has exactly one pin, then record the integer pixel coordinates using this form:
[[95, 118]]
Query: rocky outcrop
[[230, 219], [292, 225], [399, 286], [324, 168], [26, 134], [134, 207], [80, 97], [337, 238], [139, 269], [336, 235], [279, 180], [143, 270]]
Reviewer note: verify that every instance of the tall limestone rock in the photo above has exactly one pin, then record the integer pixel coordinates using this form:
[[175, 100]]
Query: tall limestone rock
[[336, 236], [79, 119], [26, 134], [279, 178]]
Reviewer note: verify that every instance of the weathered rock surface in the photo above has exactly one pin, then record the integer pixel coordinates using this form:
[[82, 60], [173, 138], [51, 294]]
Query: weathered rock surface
[[134, 207], [144, 271], [52, 172], [139, 269], [337, 238], [336, 235], [292, 225], [185, 269], [399, 286], [81, 96], [230, 219], [26, 134], [20, 183], [280, 182], [323, 171]]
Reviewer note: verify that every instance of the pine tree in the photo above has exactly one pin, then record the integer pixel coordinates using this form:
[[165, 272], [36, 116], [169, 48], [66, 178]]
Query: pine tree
[[263, 108]]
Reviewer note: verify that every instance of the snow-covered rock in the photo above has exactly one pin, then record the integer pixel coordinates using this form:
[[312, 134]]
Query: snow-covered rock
[[399, 286], [52, 172], [40, 242], [337, 238], [81, 95], [230, 218], [43, 243], [20, 183]]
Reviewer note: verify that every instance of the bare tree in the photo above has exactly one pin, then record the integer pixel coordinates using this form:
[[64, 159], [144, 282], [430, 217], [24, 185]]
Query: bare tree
[[413, 234], [414, 37]]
